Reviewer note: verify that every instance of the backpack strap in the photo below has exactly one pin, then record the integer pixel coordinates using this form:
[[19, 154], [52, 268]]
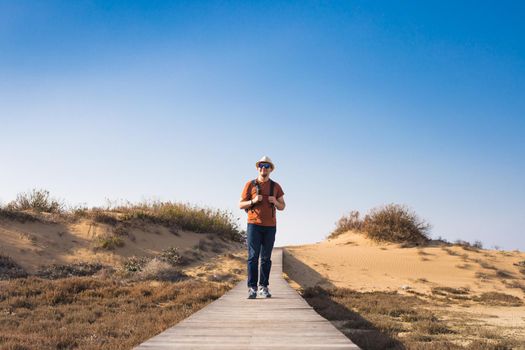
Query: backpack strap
[[272, 185]]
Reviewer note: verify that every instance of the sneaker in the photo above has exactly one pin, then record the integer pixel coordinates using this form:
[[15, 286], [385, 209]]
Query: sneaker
[[252, 293], [264, 292]]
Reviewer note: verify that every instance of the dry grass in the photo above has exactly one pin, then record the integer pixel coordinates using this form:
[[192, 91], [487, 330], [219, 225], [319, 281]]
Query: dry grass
[[108, 242], [10, 269], [62, 271], [387, 320], [39, 205], [390, 223], [498, 299], [95, 313], [38, 200]]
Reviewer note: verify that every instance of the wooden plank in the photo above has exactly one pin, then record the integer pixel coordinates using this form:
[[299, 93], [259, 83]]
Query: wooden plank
[[284, 321]]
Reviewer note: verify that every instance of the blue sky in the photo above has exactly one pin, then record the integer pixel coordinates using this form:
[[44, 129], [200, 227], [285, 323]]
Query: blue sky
[[358, 103]]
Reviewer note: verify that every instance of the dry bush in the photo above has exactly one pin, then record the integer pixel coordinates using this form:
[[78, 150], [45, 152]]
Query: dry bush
[[12, 214], [520, 263], [92, 314], [135, 263], [176, 216], [183, 216], [395, 223], [62, 271], [172, 256], [351, 222], [98, 215], [483, 276], [108, 242], [498, 299], [221, 277], [156, 269], [450, 290], [386, 320], [450, 251], [504, 274], [476, 246], [37, 200], [375, 320], [10, 269], [390, 223]]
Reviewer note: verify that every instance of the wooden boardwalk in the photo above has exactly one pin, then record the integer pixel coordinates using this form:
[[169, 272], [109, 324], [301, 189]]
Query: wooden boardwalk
[[285, 321]]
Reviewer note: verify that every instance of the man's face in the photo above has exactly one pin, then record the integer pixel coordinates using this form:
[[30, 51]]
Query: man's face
[[264, 170]]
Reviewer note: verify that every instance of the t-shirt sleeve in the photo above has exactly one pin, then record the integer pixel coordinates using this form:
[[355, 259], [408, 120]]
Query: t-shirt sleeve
[[245, 195], [279, 193]]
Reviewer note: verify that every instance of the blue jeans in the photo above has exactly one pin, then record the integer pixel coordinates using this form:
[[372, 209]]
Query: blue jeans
[[260, 241]]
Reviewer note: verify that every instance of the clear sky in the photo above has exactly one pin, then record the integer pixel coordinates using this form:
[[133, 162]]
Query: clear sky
[[358, 103]]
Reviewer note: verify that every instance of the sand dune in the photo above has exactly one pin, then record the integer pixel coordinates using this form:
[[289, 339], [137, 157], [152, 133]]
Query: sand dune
[[353, 261], [32, 244]]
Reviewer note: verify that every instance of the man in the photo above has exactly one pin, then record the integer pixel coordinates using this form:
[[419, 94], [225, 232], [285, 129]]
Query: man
[[261, 204]]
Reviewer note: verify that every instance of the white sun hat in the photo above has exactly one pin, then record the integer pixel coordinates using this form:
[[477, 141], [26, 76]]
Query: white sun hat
[[265, 159]]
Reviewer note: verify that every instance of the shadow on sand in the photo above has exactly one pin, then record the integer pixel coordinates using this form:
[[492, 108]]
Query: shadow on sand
[[358, 329]]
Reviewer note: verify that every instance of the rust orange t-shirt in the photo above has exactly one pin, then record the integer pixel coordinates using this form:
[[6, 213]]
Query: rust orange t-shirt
[[262, 213]]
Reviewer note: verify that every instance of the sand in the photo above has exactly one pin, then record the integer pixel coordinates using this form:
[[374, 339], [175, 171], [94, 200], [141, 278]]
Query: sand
[[33, 244], [353, 261]]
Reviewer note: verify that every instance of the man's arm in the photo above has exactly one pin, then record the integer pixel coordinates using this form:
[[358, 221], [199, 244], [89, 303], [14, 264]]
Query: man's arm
[[279, 202], [248, 203], [245, 204]]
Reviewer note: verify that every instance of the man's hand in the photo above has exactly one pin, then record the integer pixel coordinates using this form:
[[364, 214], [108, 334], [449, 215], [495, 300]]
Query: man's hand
[[256, 199], [272, 199]]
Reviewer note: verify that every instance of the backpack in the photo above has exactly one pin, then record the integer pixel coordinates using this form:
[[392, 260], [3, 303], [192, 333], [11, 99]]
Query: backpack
[[258, 188]]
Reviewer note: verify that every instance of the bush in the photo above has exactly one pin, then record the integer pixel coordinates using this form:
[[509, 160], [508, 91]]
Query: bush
[[352, 222], [135, 263], [156, 269], [171, 256], [395, 223], [63, 271], [498, 299], [184, 216], [173, 215], [390, 223], [109, 242], [10, 269], [36, 200]]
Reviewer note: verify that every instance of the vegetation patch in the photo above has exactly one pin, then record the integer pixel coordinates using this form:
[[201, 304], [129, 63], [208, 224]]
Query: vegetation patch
[[156, 269], [176, 216], [10, 269], [108, 242], [390, 223], [17, 215], [498, 299], [387, 320], [135, 263], [172, 256], [63, 271], [37, 200], [92, 313]]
